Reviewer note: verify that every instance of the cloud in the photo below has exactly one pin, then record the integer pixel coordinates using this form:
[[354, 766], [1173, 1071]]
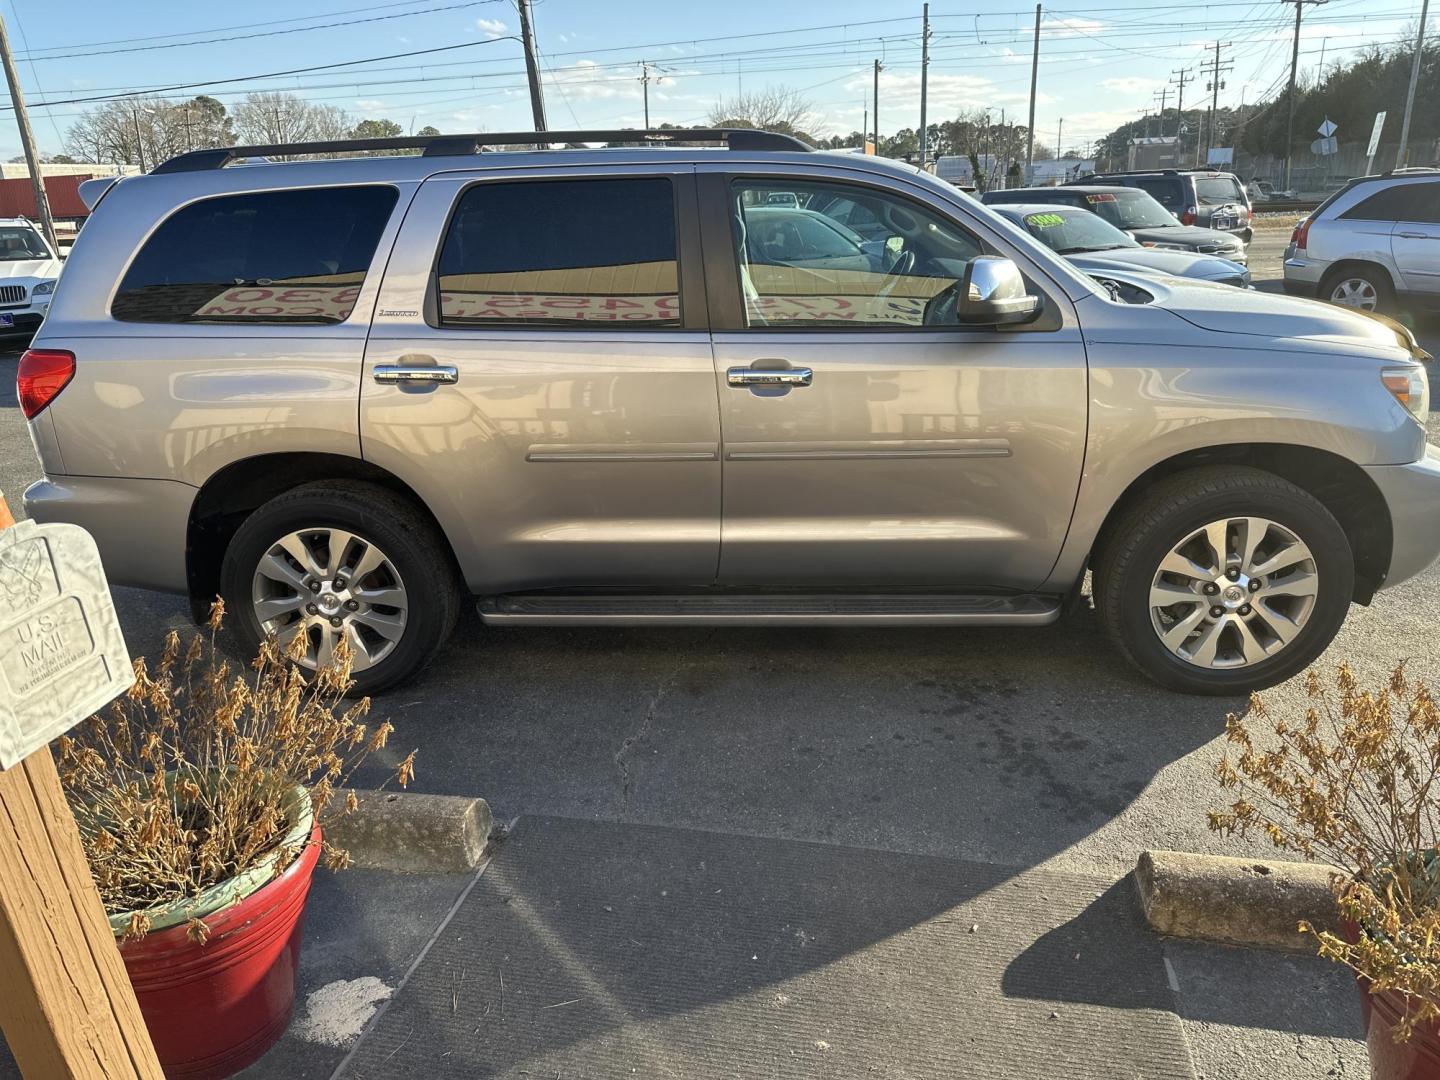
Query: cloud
[[1055, 28], [1131, 84], [491, 28]]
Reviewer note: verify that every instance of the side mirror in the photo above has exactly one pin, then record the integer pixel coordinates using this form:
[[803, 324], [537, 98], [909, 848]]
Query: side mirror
[[992, 293]]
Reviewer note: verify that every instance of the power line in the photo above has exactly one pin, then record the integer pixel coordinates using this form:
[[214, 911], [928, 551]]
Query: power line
[[265, 33]]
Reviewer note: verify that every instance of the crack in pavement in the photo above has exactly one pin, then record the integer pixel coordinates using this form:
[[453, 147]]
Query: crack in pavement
[[652, 707]]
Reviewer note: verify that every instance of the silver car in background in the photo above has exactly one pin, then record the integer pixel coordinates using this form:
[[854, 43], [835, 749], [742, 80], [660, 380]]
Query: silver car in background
[[1373, 245], [632, 387]]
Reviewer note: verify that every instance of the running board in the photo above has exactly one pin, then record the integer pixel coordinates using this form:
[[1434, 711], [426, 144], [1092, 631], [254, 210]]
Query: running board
[[768, 610]]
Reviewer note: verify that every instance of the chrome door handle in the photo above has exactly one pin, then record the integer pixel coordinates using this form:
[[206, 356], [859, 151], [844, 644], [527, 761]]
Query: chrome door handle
[[415, 373], [1417, 236], [744, 376]]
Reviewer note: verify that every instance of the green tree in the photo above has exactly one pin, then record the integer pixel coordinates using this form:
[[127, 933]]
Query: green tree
[[377, 129]]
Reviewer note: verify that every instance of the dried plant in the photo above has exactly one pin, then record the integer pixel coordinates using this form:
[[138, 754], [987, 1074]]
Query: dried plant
[[189, 778], [1354, 785]]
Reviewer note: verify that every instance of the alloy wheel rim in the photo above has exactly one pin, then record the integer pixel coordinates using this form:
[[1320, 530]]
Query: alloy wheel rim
[[329, 584], [1233, 593], [1355, 292]]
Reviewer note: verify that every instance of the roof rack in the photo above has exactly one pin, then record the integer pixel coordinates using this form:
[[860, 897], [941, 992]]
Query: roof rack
[[456, 145]]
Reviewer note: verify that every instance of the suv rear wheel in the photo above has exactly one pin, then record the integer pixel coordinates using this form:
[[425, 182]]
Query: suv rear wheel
[[1224, 580], [1364, 287], [343, 559]]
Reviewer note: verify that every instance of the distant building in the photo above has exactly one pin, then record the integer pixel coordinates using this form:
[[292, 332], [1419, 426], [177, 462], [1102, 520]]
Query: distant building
[[1160, 152], [1059, 170]]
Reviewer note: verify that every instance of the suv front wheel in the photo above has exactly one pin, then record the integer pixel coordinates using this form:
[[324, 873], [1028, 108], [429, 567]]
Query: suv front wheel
[[1223, 580], [343, 559]]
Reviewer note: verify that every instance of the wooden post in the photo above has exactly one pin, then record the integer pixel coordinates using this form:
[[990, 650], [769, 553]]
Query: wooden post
[[67, 1008]]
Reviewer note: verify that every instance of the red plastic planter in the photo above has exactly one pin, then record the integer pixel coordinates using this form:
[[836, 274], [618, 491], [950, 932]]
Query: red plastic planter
[[212, 1009], [1417, 1059]]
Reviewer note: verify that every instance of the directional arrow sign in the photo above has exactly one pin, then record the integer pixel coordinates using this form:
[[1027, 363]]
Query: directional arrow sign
[[1326, 129]]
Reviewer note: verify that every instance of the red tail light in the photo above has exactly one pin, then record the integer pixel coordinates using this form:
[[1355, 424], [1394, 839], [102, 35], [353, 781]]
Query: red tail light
[[1301, 234], [43, 373], [1250, 214], [1188, 217]]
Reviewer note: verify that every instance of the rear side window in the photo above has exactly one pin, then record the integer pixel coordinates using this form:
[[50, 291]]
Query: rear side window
[[1398, 202], [1164, 189], [274, 257], [582, 253]]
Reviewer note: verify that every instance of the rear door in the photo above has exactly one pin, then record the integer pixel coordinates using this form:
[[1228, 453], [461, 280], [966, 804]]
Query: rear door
[[539, 371], [864, 448], [1415, 239]]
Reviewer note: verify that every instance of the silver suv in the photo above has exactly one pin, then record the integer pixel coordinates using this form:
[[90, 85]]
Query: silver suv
[[1373, 245], [630, 387]]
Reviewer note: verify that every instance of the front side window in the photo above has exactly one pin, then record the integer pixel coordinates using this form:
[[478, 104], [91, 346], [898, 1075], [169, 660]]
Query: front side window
[[845, 257], [277, 257], [581, 253], [20, 243]]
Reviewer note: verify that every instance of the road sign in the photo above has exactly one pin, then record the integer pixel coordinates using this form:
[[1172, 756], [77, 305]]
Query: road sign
[[1325, 147], [1327, 129], [62, 655]]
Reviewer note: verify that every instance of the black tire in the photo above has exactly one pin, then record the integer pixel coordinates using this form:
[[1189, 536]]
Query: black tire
[[380, 516], [1375, 277], [1145, 533]]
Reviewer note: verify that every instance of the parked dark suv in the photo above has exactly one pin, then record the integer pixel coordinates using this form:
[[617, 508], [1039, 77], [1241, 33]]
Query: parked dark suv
[[1136, 212], [1212, 200]]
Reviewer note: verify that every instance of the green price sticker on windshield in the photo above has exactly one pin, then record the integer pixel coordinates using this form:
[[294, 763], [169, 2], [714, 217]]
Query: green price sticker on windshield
[[1045, 221]]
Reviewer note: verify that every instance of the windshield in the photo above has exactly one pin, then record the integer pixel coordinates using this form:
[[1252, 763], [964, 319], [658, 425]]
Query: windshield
[[800, 234], [1216, 190], [1068, 232], [1130, 210], [19, 242]]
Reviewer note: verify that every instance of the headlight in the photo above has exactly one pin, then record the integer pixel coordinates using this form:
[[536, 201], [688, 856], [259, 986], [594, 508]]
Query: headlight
[[45, 288], [1163, 247], [1411, 388]]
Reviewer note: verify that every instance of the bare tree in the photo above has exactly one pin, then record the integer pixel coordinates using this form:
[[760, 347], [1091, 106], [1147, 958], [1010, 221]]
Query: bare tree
[[775, 108], [273, 117], [147, 130]]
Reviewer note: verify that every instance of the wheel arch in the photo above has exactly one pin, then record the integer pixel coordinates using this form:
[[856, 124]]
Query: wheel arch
[[1343, 266], [1341, 486], [236, 490]]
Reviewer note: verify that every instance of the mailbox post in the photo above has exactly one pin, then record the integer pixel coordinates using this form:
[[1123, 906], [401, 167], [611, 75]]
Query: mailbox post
[[67, 1008]]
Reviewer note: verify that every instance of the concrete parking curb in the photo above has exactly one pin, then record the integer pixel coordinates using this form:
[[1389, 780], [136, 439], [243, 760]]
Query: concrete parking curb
[[1235, 901], [412, 833]]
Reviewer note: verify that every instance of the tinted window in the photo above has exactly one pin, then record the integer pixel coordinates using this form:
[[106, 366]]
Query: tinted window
[[275, 257], [562, 253], [1217, 190], [1163, 189], [806, 268], [1398, 202], [1129, 209]]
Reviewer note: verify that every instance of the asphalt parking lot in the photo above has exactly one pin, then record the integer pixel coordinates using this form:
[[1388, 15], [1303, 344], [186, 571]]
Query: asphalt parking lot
[[1022, 748]]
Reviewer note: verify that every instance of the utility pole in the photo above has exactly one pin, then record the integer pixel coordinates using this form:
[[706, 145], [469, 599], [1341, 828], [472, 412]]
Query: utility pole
[[527, 39], [1290, 96], [1163, 94], [875, 111], [27, 138], [1402, 156], [924, 80], [1181, 77], [1059, 130], [1034, 75], [1214, 86], [645, 89]]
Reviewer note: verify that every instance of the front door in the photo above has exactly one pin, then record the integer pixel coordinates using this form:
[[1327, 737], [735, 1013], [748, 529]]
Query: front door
[[864, 448], [540, 372]]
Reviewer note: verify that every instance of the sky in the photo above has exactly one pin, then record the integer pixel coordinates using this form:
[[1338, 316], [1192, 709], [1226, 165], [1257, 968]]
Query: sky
[[1102, 62]]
